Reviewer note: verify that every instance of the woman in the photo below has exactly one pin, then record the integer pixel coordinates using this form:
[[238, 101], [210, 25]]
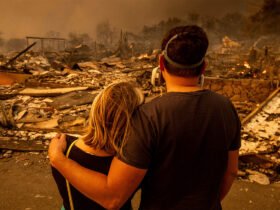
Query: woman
[[105, 136]]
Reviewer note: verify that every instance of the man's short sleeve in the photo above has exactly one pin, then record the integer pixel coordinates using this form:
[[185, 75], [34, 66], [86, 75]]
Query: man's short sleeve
[[236, 126], [138, 150]]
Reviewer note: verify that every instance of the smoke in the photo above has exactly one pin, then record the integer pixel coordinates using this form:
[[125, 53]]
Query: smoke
[[20, 18]]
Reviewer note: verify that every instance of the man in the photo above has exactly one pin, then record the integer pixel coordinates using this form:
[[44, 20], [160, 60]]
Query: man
[[183, 146]]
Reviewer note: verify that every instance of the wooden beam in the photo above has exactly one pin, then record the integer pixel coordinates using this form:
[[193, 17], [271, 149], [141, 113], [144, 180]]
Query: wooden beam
[[260, 107], [49, 92]]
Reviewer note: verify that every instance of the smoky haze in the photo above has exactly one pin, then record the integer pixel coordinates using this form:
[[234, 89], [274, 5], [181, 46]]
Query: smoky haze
[[20, 18]]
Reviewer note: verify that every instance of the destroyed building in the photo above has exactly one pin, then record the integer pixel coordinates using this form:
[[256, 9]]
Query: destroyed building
[[50, 89]]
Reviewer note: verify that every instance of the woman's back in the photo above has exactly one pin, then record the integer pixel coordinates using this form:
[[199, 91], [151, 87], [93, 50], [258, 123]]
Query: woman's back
[[90, 161]]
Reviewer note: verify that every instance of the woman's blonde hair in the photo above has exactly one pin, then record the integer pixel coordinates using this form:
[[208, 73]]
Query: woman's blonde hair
[[109, 119]]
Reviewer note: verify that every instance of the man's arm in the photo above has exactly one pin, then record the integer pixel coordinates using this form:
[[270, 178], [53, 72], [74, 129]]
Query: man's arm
[[230, 174], [110, 191]]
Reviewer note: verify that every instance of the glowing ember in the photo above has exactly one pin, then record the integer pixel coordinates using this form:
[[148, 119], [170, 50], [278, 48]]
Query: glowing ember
[[264, 72], [246, 64]]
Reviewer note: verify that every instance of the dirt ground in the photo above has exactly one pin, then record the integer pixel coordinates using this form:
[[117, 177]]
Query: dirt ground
[[26, 184]]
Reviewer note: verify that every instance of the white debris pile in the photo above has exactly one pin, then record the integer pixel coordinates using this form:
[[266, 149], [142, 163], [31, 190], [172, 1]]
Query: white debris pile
[[260, 150], [60, 100], [263, 131]]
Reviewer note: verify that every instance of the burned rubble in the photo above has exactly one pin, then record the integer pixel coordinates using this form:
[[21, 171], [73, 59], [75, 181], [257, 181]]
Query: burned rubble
[[260, 150], [42, 94], [245, 60], [58, 100]]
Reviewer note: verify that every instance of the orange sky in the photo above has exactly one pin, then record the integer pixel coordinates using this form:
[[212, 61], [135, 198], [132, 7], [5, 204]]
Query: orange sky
[[20, 18]]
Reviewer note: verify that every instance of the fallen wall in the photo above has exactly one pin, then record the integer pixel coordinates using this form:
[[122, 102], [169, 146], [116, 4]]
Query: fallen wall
[[240, 89]]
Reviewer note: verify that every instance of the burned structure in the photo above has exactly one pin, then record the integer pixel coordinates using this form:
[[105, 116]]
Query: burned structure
[[50, 88], [49, 44]]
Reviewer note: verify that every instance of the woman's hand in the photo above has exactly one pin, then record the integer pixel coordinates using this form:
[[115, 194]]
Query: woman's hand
[[57, 148]]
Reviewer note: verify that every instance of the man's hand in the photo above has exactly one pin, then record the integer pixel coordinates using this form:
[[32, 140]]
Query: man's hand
[[57, 148]]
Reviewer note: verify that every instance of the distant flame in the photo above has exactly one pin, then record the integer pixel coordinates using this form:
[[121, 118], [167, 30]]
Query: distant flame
[[246, 64], [264, 72]]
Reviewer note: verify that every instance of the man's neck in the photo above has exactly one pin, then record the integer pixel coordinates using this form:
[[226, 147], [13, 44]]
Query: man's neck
[[184, 89], [181, 84]]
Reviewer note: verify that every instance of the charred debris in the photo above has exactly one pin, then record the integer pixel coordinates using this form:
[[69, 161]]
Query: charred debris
[[48, 87]]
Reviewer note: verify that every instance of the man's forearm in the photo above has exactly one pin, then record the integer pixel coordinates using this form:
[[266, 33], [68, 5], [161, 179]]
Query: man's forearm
[[111, 191], [92, 184], [226, 184]]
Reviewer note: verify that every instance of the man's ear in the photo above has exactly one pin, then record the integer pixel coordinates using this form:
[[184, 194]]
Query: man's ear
[[161, 62]]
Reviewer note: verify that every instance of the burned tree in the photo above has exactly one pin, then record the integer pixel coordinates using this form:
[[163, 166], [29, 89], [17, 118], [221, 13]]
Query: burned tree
[[79, 39], [123, 50], [104, 33], [232, 24], [266, 20]]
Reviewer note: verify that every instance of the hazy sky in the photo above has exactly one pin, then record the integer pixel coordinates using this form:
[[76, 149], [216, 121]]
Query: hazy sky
[[20, 18]]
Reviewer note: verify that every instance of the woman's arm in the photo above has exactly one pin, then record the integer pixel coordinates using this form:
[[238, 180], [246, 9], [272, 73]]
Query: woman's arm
[[110, 191]]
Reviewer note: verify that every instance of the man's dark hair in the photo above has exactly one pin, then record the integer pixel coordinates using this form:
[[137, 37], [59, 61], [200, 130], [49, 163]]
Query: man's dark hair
[[187, 49]]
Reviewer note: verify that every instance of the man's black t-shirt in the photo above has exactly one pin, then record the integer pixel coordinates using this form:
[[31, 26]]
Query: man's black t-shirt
[[96, 163], [183, 140]]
